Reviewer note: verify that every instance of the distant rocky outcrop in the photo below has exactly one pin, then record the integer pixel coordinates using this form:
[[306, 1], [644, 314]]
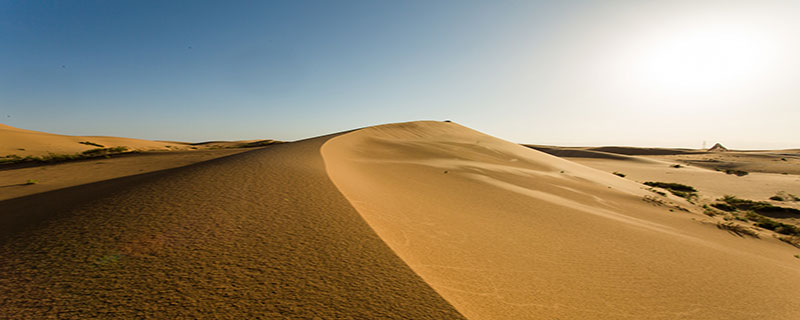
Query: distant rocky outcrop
[[718, 148]]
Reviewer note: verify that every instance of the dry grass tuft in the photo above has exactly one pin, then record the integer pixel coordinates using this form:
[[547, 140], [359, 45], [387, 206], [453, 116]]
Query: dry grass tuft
[[737, 229]]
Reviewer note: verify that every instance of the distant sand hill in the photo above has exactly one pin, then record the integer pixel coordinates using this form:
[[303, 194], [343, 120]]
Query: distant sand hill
[[23, 142], [419, 220]]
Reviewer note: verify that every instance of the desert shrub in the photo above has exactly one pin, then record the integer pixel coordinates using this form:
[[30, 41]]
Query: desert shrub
[[54, 157], [709, 211], [784, 196], [724, 207], [60, 157], [653, 200], [739, 173], [737, 229], [677, 189], [778, 227], [31, 181], [793, 240], [671, 186], [676, 166], [760, 207], [104, 151], [619, 174]]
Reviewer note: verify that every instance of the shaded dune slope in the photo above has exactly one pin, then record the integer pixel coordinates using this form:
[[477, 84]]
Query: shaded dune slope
[[579, 153], [505, 232], [259, 234]]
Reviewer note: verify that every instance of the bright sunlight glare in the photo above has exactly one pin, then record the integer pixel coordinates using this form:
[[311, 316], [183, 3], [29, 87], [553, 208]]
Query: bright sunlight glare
[[696, 60]]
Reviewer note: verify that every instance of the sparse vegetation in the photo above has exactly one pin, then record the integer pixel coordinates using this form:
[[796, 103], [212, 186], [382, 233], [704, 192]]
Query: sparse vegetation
[[732, 203], [710, 211], [104, 151], [653, 200], [793, 240], [31, 181], [783, 196], [257, 144], [676, 166], [658, 192], [88, 143], [739, 173], [619, 174], [57, 157], [677, 189], [671, 186], [724, 207], [737, 229], [757, 212], [776, 226]]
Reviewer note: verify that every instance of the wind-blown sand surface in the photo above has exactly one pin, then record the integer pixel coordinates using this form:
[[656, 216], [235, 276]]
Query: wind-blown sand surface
[[258, 234], [505, 232], [414, 220]]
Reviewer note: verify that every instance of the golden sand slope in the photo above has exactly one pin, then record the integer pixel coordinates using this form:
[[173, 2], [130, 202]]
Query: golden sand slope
[[23, 143], [258, 234], [506, 232]]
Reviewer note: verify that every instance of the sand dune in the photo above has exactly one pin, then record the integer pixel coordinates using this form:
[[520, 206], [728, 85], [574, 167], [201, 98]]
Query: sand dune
[[23, 142], [421, 220], [505, 232], [258, 234]]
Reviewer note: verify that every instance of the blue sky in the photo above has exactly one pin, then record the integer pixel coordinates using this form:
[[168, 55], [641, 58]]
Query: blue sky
[[554, 72]]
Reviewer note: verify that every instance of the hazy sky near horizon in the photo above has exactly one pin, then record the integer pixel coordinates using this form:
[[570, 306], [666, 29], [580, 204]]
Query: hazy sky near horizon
[[642, 73]]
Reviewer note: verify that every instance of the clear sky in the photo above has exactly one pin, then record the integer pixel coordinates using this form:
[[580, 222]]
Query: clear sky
[[660, 73]]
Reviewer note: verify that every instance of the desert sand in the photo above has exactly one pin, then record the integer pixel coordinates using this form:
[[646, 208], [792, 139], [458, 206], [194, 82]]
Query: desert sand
[[13, 180], [506, 232], [23, 143], [420, 220]]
